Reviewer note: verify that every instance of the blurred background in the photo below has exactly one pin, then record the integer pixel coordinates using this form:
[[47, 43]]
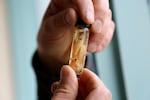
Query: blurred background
[[124, 65]]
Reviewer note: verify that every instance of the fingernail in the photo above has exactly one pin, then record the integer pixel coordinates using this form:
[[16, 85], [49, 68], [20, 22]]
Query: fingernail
[[90, 17], [97, 26], [92, 47]]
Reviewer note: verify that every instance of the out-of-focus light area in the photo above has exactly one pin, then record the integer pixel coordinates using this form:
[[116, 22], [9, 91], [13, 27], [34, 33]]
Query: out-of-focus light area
[[6, 79], [19, 24]]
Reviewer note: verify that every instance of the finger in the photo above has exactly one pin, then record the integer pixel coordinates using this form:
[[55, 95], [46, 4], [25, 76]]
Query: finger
[[99, 23], [54, 32], [102, 15], [57, 28], [99, 41], [87, 82], [101, 8], [62, 20], [90, 79], [68, 86], [86, 10], [107, 37], [94, 86], [50, 11]]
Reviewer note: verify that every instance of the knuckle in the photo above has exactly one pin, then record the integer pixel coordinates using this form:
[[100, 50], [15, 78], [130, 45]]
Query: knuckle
[[105, 15], [108, 15], [106, 12], [109, 26]]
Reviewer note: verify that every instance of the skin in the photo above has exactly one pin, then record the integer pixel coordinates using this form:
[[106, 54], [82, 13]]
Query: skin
[[55, 34], [87, 87]]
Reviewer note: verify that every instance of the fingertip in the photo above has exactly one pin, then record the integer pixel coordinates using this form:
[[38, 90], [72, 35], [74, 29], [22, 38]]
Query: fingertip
[[88, 17], [86, 10], [64, 20], [64, 71], [68, 85], [86, 70], [67, 76], [71, 16], [67, 72], [87, 75], [66, 68]]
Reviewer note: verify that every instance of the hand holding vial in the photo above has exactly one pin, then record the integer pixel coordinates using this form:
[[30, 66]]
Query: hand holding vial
[[55, 34], [87, 87], [57, 46]]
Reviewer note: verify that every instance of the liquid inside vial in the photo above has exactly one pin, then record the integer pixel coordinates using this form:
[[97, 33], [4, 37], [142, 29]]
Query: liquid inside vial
[[79, 49]]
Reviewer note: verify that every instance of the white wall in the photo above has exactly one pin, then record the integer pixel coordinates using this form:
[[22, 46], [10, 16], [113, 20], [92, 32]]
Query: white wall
[[6, 75]]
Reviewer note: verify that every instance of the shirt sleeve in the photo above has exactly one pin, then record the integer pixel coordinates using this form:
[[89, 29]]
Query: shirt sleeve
[[45, 78]]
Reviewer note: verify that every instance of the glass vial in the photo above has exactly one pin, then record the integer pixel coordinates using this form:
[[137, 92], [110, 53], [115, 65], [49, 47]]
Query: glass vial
[[79, 47]]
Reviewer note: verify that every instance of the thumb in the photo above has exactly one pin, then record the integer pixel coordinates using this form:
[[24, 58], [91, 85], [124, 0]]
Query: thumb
[[68, 86], [61, 21]]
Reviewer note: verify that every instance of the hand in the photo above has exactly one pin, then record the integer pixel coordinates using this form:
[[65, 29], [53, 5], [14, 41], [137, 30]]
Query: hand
[[88, 87], [55, 34]]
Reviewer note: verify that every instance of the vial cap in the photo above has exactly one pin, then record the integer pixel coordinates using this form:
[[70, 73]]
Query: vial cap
[[81, 24]]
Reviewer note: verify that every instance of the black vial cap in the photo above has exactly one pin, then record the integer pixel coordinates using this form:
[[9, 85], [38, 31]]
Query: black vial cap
[[81, 24]]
